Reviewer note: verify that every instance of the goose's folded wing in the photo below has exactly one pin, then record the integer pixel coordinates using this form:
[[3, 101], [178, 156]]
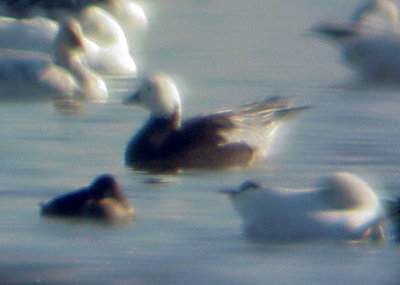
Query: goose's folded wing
[[227, 126], [203, 131]]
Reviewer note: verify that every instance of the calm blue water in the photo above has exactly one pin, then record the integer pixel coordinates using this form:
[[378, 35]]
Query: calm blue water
[[185, 233]]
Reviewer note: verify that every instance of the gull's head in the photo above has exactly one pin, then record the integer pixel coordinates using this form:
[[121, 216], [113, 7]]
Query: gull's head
[[385, 6], [343, 190], [391, 10], [158, 94], [374, 10]]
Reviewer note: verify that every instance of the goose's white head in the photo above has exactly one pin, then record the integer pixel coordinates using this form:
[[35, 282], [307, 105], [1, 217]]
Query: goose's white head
[[128, 13], [100, 25], [343, 190], [158, 94]]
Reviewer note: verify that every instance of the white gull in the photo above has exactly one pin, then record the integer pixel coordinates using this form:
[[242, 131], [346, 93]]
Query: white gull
[[344, 207]]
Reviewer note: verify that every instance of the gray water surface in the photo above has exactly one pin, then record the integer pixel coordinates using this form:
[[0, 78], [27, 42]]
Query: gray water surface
[[221, 54]]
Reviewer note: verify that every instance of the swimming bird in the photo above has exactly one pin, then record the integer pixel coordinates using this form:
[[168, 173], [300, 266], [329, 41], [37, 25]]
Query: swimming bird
[[102, 200], [28, 76], [393, 212], [106, 48], [369, 46], [344, 207], [372, 16], [223, 139]]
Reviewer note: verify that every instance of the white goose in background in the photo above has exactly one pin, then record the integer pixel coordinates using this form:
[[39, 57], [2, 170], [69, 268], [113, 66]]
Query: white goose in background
[[30, 76], [106, 49], [343, 208], [371, 44], [128, 13]]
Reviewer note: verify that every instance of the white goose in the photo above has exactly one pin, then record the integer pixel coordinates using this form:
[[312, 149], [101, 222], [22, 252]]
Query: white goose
[[106, 49], [343, 208], [28, 76], [370, 45]]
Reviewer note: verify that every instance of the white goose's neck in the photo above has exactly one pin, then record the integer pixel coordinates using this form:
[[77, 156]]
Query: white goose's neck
[[63, 57], [92, 87], [70, 60]]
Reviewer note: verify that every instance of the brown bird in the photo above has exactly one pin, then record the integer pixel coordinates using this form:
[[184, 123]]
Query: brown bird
[[102, 200], [223, 139]]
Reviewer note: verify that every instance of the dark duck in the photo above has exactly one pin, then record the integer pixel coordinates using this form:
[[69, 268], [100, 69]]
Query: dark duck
[[393, 212], [224, 139], [103, 200]]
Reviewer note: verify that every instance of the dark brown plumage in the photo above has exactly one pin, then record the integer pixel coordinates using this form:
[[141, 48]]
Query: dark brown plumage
[[102, 200]]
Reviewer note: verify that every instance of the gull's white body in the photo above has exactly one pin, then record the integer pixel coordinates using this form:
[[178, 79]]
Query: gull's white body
[[374, 56], [344, 208]]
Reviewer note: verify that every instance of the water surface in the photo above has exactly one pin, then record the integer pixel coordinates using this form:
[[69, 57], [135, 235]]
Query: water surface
[[186, 233]]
